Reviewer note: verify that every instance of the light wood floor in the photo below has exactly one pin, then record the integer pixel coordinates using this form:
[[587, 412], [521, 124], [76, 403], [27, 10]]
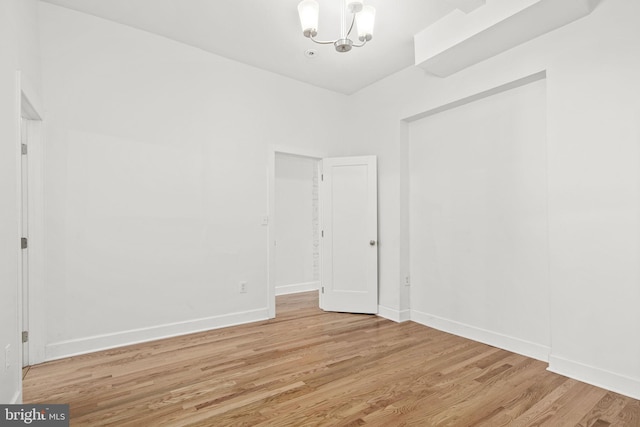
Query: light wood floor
[[308, 368]]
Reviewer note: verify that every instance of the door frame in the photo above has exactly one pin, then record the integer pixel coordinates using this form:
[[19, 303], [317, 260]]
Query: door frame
[[271, 215], [29, 106]]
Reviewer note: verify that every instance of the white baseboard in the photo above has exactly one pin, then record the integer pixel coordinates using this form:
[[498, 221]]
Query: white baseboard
[[393, 314], [506, 342], [595, 376], [297, 288], [17, 398], [95, 343]]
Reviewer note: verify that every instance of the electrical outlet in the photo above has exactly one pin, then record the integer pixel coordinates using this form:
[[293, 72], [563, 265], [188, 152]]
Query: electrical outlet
[[7, 357], [243, 287], [407, 281]]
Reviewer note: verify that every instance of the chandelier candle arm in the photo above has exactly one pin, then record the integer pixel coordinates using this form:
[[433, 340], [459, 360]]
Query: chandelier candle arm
[[362, 16], [321, 41], [353, 22], [343, 24]]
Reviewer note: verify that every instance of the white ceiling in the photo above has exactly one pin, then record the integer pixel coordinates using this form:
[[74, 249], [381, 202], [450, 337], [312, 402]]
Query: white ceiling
[[266, 34]]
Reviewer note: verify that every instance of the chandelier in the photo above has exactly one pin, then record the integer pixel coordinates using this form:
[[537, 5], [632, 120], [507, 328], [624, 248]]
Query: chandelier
[[362, 16]]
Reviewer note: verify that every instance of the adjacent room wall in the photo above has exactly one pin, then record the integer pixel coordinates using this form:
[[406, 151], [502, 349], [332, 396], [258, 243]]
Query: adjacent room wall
[[296, 224], [593, 160], [156, 181], [19, 47]]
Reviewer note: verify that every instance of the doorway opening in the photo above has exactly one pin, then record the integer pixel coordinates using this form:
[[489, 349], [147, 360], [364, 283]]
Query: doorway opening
[[297, 235], [294, 224]]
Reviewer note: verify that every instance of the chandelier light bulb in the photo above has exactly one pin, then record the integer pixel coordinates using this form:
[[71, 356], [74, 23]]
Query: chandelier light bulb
[[365, 21], [309, 12]]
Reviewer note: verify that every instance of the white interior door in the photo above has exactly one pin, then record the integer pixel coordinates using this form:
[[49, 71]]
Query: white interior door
[[349, 236], [24, 137]]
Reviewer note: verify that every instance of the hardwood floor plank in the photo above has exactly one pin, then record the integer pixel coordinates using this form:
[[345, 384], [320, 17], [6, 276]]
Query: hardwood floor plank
[[604, 412], [525, 401], [311, 368], [629, 416]]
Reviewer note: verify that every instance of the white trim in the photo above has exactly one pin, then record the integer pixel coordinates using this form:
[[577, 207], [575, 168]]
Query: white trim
[[36, 303], [595, 376], [398, 316], [297, 288], [95, 343], [540, 75], [18, 162], [506, 342], [483, 90], [297, 151], [271, 209], [17, 398], [34, 107], [30, 107]]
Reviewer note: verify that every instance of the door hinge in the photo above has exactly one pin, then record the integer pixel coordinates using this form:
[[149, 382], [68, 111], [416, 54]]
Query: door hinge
[[321, 177], [24, 243], [25, 336], [24, 149], [322, 233], [323, 289]]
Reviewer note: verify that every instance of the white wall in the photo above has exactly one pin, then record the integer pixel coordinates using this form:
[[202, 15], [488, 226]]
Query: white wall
[[156, 181], [593, 137], [478, 201], [19, 51], [296, 226]]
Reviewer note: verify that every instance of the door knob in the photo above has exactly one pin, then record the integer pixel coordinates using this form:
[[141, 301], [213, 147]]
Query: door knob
[[372, 242]]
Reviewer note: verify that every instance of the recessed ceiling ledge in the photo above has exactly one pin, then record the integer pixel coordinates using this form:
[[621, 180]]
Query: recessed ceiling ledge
[[460, 39]]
